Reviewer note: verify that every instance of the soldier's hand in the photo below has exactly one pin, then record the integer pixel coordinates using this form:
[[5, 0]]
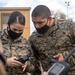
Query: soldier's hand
[[24, 65], [59, 56], [12, 62], [44, 73]]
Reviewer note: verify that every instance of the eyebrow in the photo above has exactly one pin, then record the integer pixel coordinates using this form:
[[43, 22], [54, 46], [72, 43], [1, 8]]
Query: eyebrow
[[17, 29], [39, 22]]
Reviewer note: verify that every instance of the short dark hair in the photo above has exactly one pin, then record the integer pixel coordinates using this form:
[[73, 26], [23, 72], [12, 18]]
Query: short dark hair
[[16, 17], [42, 11]]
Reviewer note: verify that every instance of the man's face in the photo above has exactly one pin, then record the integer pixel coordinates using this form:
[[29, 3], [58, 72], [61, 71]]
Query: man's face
[[16, 27], [39, 21]]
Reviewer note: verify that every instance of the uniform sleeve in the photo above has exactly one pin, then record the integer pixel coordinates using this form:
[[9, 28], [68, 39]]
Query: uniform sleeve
[[30, 67], [71, 59], [36, 55]]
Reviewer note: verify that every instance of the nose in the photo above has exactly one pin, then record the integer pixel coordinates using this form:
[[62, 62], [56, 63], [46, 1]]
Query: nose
[[37, 25]]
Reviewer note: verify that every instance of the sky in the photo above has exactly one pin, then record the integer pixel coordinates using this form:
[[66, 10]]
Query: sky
[[54, 5]]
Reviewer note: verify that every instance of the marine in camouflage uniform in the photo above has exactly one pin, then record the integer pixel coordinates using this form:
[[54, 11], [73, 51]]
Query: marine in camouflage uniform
[[2, 63], [19, 48], [57, 39]]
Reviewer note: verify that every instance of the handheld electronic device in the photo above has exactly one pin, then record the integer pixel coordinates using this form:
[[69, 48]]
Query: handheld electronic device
[[23, 60], [60, 67]]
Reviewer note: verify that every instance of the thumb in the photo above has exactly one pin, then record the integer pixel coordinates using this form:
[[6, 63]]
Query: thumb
[[59, 56]]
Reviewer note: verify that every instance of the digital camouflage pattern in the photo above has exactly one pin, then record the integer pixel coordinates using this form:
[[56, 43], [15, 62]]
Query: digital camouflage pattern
[[2, 63], [58, 39], [19, 48]]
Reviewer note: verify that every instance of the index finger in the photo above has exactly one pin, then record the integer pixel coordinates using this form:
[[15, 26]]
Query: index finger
[[18, 63]]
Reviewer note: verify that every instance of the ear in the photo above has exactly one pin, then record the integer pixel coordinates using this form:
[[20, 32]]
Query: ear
[[52, 21], [50, 18]]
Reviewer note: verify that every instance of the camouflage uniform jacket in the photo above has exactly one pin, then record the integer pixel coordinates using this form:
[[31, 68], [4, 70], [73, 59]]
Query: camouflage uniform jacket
[[19, 48], [58, 39]]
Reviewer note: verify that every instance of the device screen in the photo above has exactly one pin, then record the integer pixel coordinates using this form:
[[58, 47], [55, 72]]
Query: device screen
[[57, 68]]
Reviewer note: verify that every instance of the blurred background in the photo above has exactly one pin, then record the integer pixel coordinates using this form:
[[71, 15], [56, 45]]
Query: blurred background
[[61, 9]]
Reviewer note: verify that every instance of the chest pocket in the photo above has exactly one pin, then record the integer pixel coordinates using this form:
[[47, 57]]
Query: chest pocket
[[40, 43], [21, 50], [61, 39]]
